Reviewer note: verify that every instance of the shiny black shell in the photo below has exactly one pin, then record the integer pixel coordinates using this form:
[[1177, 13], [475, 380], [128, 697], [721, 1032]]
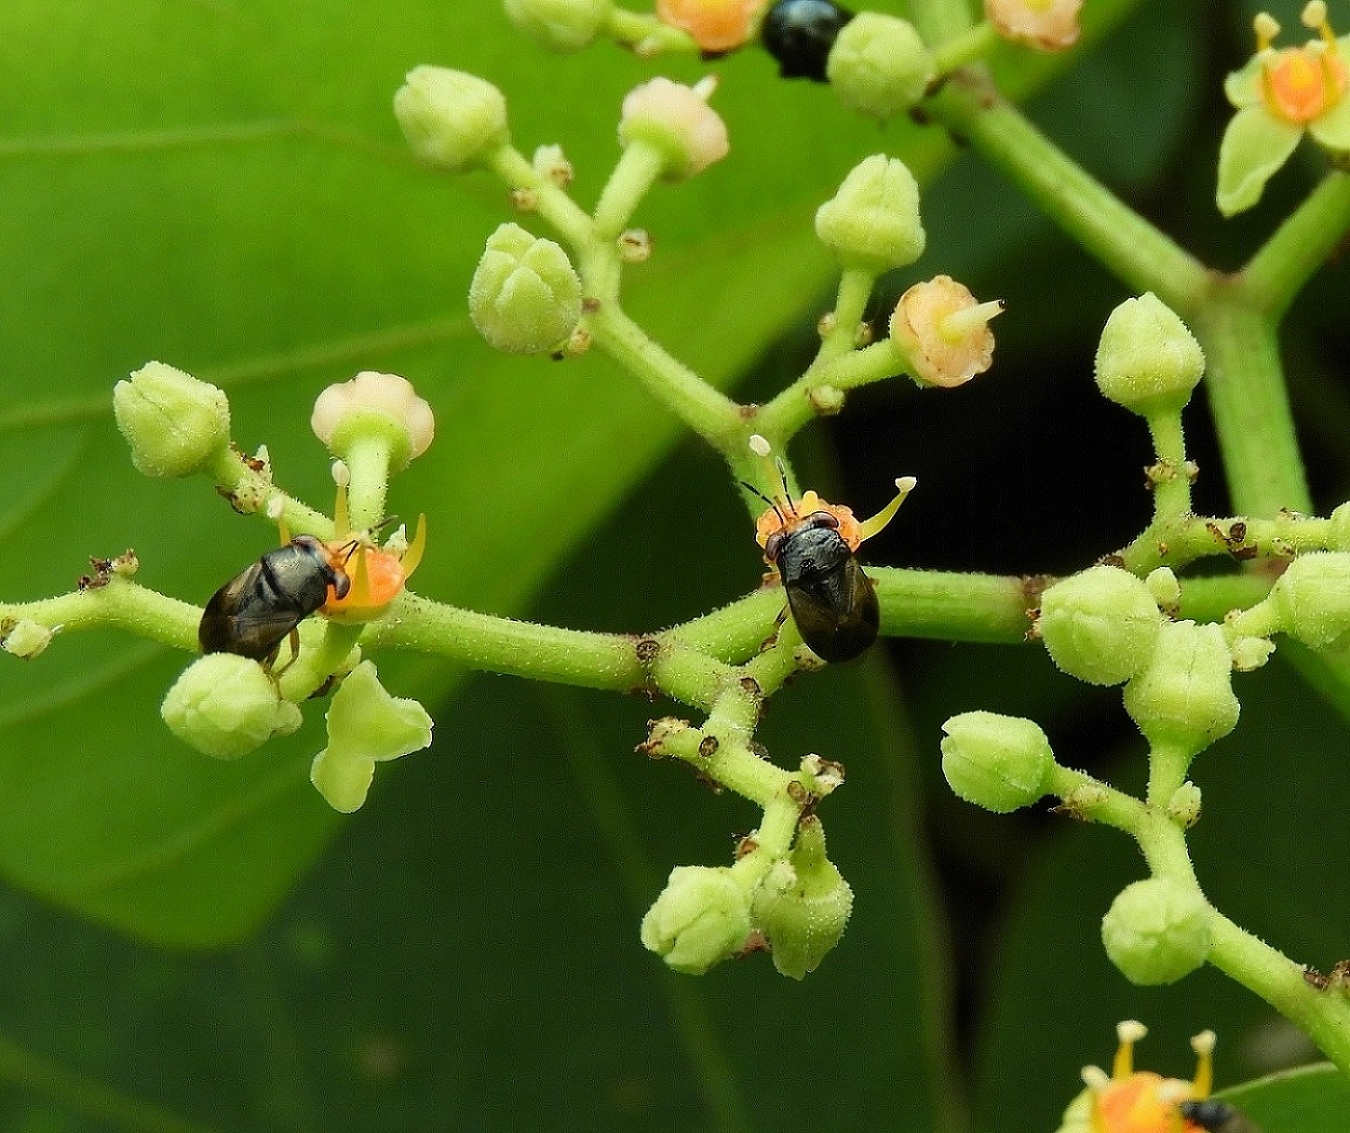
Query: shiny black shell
[[800, 33], [252, 613], [832, 601], [1216, 1116]]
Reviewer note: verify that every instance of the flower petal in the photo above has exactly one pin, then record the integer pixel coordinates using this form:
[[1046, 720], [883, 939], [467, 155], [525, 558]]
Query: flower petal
[[1332, 130], [1243, 86], [1254, 146]]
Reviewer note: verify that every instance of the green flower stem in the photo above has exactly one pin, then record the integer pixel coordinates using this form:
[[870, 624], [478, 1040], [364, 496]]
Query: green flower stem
[[941, 20], [774, 667], [367, 459], [1095, 801], [318, 660], [550, 201], [1167, 767], [1261, 620], [1299, 247], [850, 305], [735, 632], [121, 604], [593, 660], [793, 407], [955, 607], [693, 678], [633, 29], [1323, 1015], [773, 839], [1250, 404], [1172, 491], [256, 492], [1119, 237], [1210, 599], [637, 170], [709, 413], [1178, 541], [968, 47]]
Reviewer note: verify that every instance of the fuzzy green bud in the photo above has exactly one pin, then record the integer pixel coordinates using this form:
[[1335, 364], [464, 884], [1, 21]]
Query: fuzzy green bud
[[366, 725], [1183, 807], [227, 706], [1100, 625], [879, 65], [1157, 931], [1147, 359], [701, 918], [525, 297], [25, 638], [1250, 653], [1312, 600], [560, 25], [1165, 587], [1184, 699], [1338, 534], [175, 424], [452, 119], [872, 222], [803, 904], [997, 762]]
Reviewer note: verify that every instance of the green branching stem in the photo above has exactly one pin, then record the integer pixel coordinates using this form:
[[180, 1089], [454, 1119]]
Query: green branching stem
[[549, 200], [1299, 247], [1240, 955], [1171, 483], [1108, 229], [1250, 403], [248, 483]]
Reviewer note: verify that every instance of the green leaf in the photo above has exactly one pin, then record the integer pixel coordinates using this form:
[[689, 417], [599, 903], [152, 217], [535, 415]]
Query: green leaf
[[1311, 1099]]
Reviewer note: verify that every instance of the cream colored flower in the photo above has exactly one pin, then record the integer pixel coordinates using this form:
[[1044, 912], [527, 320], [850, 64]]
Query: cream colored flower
[[943, 333], [1046, 25]]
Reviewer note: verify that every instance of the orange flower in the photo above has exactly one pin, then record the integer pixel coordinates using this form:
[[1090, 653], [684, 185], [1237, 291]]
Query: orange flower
[[715, 25]]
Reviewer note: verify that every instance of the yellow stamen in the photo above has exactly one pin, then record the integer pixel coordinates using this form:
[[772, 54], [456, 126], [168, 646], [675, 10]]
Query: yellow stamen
[[1128, 1033], [342, 524], [870, 527], [1203, 1045], [283, 531], [1315, 17], [413, 555], [359, 595], [1266, 29]]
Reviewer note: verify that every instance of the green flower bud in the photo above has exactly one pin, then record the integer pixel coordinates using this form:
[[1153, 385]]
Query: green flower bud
[[25, 638], [872, 222], [175, 424], [997, 762], [701, 918], [525, 297], [227, 706], [1184, 698], [803, 904], [879, 65], [451, 118], [1250, 653], [1312, 600], [561, 25], [1157, 931], [1165, 588], [1100, 625], [1147, 360], [1338, 533], [1183, 807], [365, 726]]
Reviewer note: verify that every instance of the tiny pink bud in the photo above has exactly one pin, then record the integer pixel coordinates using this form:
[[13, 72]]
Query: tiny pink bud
[[385, 402], [1046, 25], [677, 121]]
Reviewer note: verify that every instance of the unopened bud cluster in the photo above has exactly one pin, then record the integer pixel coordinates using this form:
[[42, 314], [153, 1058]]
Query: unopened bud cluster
[[798, 909]]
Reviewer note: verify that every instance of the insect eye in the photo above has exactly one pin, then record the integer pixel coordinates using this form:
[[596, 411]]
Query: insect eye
[[773, 546], [823, 519], [342, 584]]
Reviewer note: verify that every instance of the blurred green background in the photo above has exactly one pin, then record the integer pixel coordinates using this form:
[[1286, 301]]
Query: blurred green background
[[187, 945]]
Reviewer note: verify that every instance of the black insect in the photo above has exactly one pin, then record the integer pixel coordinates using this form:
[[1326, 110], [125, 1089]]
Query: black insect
[[800, 33], [832, 601], [255, 611], [1216, 1116]]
